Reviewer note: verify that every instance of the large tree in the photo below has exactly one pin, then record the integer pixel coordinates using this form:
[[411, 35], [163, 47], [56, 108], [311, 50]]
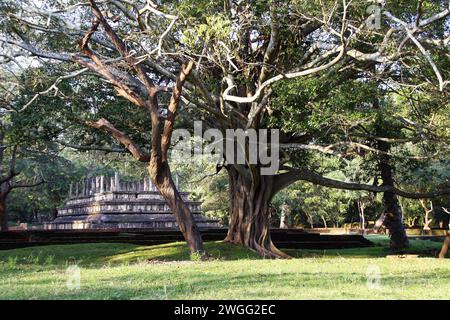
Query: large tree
[[135, 82], [267, 52], [234, 54]]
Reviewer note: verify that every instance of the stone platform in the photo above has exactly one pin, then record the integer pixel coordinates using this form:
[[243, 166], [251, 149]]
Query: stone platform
[[110, 204]]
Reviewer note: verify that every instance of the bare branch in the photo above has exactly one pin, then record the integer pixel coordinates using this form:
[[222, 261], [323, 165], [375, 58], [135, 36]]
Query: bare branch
[[91, 147], [272, 47], [330, 149], [173, 106], [53, 87], [427, 55], [121, 47], [285, 179], [36, 52], [271, 81], [27, 185], [121, 137]]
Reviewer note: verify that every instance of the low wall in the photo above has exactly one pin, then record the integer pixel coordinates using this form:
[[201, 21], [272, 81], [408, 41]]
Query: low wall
[[409, 231]]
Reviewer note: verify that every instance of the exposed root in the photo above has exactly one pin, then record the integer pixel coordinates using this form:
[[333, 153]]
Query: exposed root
[[272, 253]]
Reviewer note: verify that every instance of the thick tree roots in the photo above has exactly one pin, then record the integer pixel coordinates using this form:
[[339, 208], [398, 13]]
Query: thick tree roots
[[266, 251]]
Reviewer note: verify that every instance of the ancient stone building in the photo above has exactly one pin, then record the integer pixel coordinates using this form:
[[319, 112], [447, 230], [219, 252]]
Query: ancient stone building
[[101, 203]]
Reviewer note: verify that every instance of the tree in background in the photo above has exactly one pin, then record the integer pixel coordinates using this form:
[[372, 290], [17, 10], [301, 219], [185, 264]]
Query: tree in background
[[13, 151]]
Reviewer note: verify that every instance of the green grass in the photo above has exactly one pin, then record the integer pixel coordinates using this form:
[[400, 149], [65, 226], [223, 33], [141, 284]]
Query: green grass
[[126, 271]]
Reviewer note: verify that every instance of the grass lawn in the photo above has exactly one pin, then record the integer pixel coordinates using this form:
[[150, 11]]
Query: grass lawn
[[126, 271]]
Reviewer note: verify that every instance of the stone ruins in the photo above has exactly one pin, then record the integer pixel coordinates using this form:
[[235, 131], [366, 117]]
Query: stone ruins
[[108, 203]]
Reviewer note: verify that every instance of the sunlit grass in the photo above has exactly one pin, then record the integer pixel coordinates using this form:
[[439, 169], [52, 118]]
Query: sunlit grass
[[125, 271]]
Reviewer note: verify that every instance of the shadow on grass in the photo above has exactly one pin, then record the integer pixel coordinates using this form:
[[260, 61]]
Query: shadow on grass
[[122, 254], [418, 248], [116, 253]]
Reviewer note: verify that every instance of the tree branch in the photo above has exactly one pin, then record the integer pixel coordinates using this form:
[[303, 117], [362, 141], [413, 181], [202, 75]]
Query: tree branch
[[283, 180], [173, 107], [27, 185], [54, 87], [271, 81], [121, 47], [272, 47], [427, 55], [120, 136], [93, 148]]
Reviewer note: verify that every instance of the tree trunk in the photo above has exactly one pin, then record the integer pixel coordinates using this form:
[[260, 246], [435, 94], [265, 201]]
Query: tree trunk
[[426, 220], [379, 223], [309, 218], [284, 224], [362, 219], [445, 246], [162, 179], [159, 169], [249, 212], [394, 222], [394, 217], [324, 222], [3, 213]]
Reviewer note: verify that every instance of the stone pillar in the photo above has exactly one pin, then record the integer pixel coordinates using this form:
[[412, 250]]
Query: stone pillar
[[84, 191], [177, 182], [285, 211], [102, 184], [88, 186], [116, 182], [93, 186], [151, 187], [71, 190]]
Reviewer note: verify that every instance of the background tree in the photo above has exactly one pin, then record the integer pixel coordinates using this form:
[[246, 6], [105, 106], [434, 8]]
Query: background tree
[[10, 176]]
